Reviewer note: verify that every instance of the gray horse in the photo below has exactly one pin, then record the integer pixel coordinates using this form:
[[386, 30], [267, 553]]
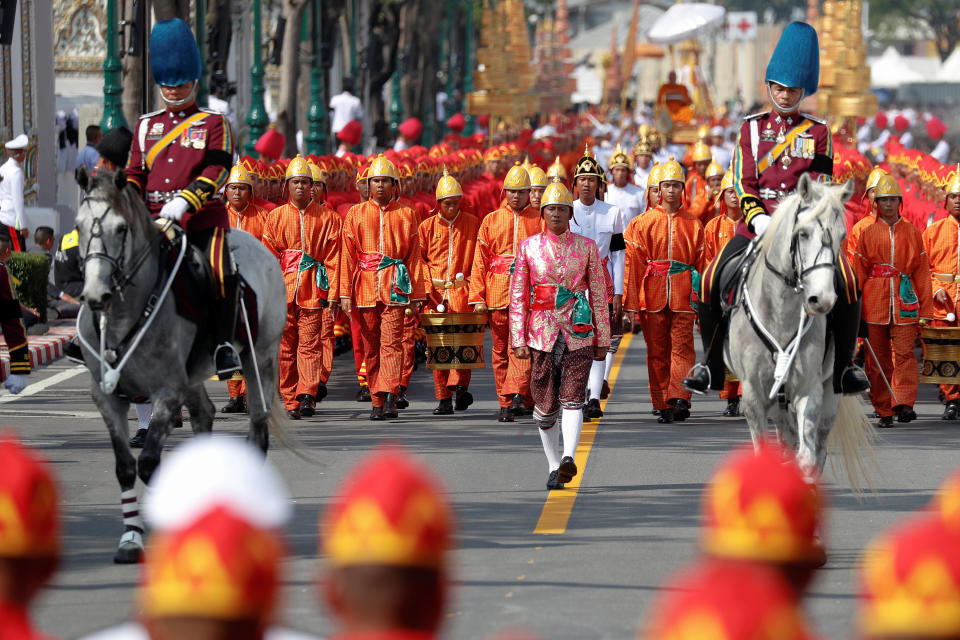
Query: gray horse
[[147, 349], [777, 343]]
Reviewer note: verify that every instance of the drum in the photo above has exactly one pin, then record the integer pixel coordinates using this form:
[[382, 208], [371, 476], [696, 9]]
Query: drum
[[454, 340], [941, 355]]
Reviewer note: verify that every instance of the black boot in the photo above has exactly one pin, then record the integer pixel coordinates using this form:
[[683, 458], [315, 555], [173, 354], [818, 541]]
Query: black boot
[[445, 408], [402, 402], [553, 482], [293, 414], [886, 422], [852, 381], [713, 330], [321, 392], [567, 470], [666, 416], [307, 405], [73, 352], [605, 390], [681, 409], [225, 356], [593, 409], [138, 439], [733, 408], [376, 413], [235, 405], [463, 398], [390, 407], [699, 380], [516, 405], [951, 411], [505, 415], [905, 413], [363, 395], [843, 322]]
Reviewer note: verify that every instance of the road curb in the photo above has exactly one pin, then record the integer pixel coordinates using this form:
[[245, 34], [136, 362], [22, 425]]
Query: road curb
[[43, 349]]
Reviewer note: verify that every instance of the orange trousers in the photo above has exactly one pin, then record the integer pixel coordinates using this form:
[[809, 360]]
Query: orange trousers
[[950, 391], [356, 338], [446, 380], [893, 345], [301, 354], [382, 329], [327, 339], [730, 390], [511, 375], [670, 354], [409, 343], [236, 388]]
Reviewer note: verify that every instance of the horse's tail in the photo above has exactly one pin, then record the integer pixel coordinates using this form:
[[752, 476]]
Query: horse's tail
[[278, 424], [852, 437]]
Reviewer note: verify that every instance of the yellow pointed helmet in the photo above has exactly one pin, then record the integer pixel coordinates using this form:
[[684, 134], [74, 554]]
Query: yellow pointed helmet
[[538, 178], [727, 182], [556, 193], [381, 167], [643, 148], [620, 158], [653, 178], [556, 170], [448, 187], [319, 172], [299, 168], [874, 178], [887, 187], [239, 175], [701, 152], [713, 170], [517, 178], [671, 171], [953, 181]]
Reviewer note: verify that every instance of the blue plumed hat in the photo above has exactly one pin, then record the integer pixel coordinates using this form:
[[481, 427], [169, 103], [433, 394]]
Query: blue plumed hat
[[174, 57], [796, 60]]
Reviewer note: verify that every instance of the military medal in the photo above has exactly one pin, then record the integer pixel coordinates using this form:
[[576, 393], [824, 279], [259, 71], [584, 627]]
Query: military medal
[[780, 137], [786, 160]]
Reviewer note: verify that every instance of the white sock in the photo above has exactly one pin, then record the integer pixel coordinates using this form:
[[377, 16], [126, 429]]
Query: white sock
[[551, 445], [571, 422], [608, 364], [596, 379], [144, 411]]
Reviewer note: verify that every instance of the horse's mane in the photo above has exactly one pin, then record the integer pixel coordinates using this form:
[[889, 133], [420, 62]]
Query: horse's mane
[[825, 206], [126, 202]]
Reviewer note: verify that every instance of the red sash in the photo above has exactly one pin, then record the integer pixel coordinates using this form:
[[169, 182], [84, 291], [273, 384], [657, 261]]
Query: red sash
[[657, 268], [544, 297], [501, 264], [290, 260], [370, 261], [881, 270]]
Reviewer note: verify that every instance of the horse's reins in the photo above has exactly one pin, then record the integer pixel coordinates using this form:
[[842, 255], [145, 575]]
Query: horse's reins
[[110, 375]]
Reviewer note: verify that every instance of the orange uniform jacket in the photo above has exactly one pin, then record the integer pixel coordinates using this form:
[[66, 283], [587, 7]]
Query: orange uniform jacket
[[501, 232], [716, 235], [942, 243], [289, 233], [658, 236], [252, 219], [698, 205], [446, 249], [850, 242], [900, 246], [390, 231]]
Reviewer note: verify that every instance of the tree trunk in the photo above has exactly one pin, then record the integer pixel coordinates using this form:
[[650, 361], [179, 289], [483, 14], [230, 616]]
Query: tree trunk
[[289, 73], [133, 78]]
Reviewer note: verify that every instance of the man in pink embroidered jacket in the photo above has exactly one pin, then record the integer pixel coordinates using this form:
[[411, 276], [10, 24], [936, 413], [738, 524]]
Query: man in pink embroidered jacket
[[559, 319]]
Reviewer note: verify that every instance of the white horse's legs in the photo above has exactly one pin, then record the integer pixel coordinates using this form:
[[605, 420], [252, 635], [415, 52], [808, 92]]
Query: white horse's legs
[[829, 408], [755, 412], [808, 430], [201, 409]]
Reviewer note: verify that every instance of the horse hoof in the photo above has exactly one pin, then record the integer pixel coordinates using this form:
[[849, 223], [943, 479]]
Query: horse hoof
[[128, 554]]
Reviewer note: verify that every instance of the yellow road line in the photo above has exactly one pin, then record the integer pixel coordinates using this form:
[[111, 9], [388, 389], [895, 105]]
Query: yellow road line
[[559, 504]]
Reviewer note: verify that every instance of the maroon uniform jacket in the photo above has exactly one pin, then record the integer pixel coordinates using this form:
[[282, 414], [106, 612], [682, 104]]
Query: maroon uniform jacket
[[12, 323], [773, 151], [185, 153]]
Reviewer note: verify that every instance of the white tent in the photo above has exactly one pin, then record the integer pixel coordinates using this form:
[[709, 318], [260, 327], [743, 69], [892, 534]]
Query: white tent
[[950, 69], [890, 70], [589, 84]]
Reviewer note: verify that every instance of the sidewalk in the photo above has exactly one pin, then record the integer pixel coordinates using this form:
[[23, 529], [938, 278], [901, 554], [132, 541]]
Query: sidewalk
[[43, 349]]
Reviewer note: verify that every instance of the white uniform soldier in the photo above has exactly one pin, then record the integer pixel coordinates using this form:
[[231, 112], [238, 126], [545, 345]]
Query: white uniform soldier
[[13, 221], [604, 224], [628, 197], [642, 166]]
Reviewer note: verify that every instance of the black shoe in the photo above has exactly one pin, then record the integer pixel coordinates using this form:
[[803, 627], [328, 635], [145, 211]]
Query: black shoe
[[516, 405], [73, 352], [226, 361], [293, 414], [390, 407], [363, 395], [681, 410], [402, 402], [552, 482], [505, 415], [593, 409], [733, 408], [886, 422], [655, 412], [445, 408], [666, 416], [635, 329], [307, 405], [853, 380], [138, 439], [464, 399], [377, 413], [178, 421], [605, 390], [905, 413], [586, 414], [235, 405], [567, 470], [321, 392], [699, 381], [528, 410], [951, 411]]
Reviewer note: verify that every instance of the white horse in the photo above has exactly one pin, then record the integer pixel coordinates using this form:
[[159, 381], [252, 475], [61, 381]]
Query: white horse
[[135, 343], [777, 343]]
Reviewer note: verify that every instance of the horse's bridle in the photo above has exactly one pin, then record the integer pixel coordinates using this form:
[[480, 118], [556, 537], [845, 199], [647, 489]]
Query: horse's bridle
[[119, 276], [795, 281]]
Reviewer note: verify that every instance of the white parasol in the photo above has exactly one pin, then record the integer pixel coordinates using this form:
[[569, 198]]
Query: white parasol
[[684, 21]]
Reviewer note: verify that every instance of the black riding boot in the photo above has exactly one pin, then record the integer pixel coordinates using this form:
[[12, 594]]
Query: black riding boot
[[226, 359], [844, 322]]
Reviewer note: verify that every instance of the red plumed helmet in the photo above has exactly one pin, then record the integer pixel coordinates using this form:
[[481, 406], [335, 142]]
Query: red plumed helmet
[[271, 143]]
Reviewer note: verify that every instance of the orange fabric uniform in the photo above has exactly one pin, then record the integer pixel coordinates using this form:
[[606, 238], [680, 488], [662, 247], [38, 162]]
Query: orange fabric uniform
[[885, 252], [500, 234], [446, 249], [250, 220], [675, 97], [372, 235], [295, 236], [716, 235], [356, 336], [850, 242], [697, 203], [654, 240], [942, 243]]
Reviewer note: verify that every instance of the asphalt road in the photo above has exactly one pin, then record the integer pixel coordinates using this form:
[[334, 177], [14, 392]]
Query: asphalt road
[[632, 522]]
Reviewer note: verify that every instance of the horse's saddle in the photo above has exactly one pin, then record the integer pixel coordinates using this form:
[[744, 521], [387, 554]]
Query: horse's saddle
[[731, 273]]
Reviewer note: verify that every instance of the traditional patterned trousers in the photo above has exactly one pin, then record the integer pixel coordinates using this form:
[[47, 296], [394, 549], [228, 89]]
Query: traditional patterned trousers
[[301, 354], [511, 375], [893, 345], [559, 380], [670, 354], [382, 329]]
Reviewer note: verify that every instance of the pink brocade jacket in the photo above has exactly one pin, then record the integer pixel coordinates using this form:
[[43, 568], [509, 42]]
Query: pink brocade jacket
[[545, 260]]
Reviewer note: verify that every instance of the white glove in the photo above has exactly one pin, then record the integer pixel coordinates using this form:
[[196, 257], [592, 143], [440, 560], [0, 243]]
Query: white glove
[[15, 383], [759, 223], [175, 209]]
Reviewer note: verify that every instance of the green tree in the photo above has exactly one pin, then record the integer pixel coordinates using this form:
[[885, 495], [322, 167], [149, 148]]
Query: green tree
[[941, 17]]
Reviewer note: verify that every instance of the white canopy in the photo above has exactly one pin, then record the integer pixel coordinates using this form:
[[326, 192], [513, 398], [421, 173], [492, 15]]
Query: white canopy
[[684, 21], [950, 69], [890, 70], [589, 85]]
